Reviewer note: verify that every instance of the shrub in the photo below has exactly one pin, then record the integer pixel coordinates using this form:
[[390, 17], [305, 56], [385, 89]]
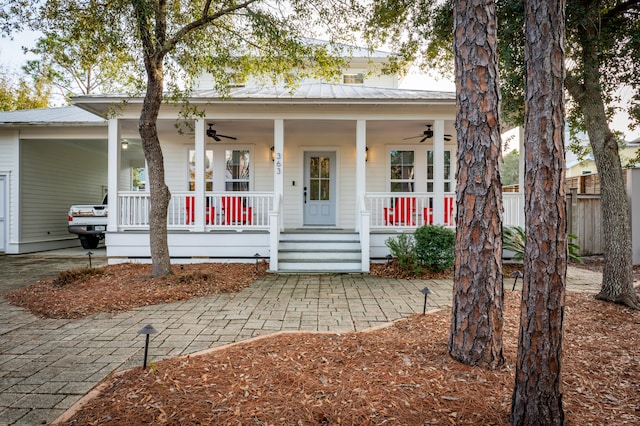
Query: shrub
[[513, 238], [403, 248], [435, 247]]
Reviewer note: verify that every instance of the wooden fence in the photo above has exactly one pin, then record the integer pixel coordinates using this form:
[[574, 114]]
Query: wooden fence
[[585, 221]]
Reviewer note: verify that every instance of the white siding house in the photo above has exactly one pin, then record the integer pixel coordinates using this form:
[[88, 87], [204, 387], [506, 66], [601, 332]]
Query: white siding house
[[315, 178], [49, 159], [321, 175]]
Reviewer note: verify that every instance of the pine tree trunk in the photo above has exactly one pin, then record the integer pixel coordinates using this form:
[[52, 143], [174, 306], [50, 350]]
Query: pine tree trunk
[[158, 190], [537, 396], [476, 324]]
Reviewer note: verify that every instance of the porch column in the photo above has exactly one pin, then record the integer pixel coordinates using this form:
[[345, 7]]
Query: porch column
[[438, 172], [275, 217], [361, 169], [199, 201], [278, 152], [113, 159]]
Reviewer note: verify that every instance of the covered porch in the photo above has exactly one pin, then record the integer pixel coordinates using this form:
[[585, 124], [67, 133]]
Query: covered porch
[[308, 184]]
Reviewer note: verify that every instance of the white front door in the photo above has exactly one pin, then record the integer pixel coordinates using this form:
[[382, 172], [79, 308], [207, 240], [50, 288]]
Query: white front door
[[319, 188], [3, 212]]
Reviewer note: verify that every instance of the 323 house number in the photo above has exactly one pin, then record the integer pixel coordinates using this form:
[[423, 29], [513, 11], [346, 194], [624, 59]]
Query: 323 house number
[[278, 163]]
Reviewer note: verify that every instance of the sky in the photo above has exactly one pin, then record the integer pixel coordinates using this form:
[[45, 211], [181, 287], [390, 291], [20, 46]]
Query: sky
[[12, 58]]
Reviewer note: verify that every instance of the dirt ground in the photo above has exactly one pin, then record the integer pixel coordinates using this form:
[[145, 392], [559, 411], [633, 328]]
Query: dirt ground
[[398, 375]]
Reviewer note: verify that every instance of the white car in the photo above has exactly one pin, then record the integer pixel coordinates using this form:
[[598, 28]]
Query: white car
[[89, 222]]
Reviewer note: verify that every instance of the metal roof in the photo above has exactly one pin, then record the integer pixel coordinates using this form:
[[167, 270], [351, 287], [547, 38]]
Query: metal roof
[[327, 92], [48, 116]]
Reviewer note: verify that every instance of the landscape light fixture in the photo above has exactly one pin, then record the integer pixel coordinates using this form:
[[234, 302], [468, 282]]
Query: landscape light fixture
[[89, 254], [147, 330], [426, 293], [257, 256], [516, 274]]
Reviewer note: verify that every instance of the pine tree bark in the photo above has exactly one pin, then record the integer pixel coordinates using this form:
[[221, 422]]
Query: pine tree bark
[[477, 322], [537, 396]]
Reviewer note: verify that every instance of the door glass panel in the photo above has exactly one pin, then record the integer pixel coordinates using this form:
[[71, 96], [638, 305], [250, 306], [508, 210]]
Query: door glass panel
[[315, 190], [324, 188], [320, 179], [325, 168]]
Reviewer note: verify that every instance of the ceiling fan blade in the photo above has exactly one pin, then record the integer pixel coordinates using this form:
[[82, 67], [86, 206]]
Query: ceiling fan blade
[[412, 137], [424, 139], [228, 137], [216, 138]]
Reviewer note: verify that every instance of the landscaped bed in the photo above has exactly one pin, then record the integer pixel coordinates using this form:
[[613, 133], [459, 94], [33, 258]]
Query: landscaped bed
[[399, 375]]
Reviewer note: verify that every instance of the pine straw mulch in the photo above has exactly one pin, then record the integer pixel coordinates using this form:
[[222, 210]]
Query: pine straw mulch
[[398, 375], [117, 288]]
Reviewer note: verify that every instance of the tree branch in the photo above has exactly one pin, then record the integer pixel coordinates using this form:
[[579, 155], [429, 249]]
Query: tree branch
[[202, 22], [620, 9]]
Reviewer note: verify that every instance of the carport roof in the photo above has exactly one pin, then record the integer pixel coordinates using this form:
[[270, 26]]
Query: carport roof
[[48, 116]]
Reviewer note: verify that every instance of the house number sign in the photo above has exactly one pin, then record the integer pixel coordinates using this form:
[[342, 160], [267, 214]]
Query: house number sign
[[278, 163]]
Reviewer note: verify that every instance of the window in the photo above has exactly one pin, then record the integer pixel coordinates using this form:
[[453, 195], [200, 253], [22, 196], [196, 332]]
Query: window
[[208, 171], [447, 171], [237, 170], [402, 171], [353, 78], [138, 178]]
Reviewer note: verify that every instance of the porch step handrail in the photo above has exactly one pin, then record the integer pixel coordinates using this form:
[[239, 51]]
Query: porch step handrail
[[223, 210]]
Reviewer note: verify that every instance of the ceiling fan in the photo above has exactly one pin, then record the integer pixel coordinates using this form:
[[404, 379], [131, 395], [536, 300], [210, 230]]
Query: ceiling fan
[[427, 134], [211, 132]]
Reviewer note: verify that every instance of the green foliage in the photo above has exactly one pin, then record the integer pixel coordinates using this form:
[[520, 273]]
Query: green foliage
[[514, 237], [77, 65], [403, 248], [510, 168], [435, 247], [21, 94]]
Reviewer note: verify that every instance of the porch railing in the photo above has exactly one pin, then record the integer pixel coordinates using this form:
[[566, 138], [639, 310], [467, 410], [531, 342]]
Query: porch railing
[[223, 210], [406, 209], [389, 210], [513, 203]]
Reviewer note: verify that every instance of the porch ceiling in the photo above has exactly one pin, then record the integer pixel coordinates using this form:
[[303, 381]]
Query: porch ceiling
[[393, 130]]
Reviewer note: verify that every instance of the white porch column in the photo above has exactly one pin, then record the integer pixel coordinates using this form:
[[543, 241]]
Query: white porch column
[[200, 184], [438, 172], [275, 218], [278, 151], [361, 168], [113, 159]]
